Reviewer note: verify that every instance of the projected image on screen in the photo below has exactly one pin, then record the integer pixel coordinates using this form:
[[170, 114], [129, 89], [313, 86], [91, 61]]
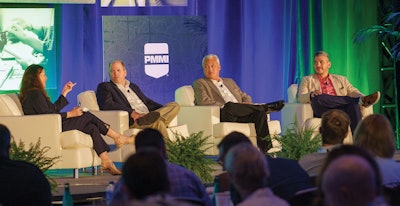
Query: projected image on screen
[[26, 37], [142, 3]]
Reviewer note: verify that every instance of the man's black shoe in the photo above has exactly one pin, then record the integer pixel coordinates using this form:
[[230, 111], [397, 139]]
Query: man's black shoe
[[274, 106], [149, 118]]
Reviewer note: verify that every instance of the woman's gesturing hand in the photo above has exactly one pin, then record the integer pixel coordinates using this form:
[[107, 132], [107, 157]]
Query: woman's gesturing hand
[[67, 88]]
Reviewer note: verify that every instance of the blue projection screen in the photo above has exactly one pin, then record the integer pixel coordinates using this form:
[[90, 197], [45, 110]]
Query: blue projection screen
[[27, 37], [161, 53]]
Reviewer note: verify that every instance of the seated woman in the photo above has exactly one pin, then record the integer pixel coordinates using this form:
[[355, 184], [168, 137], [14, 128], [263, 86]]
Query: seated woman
[[375, 134], [35, 100]]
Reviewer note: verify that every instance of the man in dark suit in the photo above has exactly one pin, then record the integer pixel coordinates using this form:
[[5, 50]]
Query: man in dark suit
[[121, 94], [236, 105]]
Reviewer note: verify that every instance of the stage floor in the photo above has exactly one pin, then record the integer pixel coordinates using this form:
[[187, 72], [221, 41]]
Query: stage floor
[[88, 189]]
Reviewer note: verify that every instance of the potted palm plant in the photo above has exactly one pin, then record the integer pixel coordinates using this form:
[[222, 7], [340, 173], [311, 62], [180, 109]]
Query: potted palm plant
[[388, 33]]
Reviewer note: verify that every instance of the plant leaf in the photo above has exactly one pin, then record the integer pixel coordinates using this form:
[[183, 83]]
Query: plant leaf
[[190, 152], [34, 155]]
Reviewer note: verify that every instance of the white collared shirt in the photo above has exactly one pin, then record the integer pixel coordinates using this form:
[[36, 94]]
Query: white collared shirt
[[226, 94], [135, 102]]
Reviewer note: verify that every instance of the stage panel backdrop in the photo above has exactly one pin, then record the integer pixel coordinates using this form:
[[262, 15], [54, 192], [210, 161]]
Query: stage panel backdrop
[[161, 53]]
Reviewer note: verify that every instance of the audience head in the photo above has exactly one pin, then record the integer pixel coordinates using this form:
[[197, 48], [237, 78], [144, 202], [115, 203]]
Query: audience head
[[334, 127], [247, 168], [150, 138], [347, 180], [5, 138], [34, 78], [321, 63], [211, 66], [375, 134], [229, 141], [144, 173], [117, 71]]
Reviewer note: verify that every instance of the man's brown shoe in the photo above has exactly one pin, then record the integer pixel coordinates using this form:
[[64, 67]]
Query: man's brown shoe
[[371, 99], [149, 118]]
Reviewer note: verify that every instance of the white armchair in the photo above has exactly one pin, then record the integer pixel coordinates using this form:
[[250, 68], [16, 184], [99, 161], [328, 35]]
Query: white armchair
[[74, 148], [207, 119], [119, 121], [303, 114]]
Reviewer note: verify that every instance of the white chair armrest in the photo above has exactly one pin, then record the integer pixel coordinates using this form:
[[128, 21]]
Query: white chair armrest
[[199, 118], [293, 112], [29, 128], [118, 121], [365, 111]]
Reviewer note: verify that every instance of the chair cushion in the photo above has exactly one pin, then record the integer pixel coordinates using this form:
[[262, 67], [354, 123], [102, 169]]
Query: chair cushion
[[180, 130], [9, 106], [88, 99], [184, 96], [75, 139], [224, 128]]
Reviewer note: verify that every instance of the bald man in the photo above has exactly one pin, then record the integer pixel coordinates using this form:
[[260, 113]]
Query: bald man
[[349, 180]]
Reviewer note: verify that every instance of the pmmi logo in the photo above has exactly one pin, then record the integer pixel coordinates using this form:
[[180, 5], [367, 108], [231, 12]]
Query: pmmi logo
[[156, 59]]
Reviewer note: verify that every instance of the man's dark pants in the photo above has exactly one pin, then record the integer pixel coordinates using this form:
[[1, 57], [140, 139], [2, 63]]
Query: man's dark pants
[[349, 105], [249, 113]]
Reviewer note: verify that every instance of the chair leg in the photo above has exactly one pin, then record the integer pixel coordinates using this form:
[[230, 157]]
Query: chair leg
[[76, 173], [94, 170]]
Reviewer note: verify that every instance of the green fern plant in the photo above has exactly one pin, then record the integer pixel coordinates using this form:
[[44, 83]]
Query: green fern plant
[[297, 142], [36, 155], [189, 152]]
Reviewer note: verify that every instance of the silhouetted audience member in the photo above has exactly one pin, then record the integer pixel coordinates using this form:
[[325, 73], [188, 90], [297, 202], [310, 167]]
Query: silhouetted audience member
[[185, 185], [349, 176], [286, 176], [334, 128], [146, 180], [248, 169], [22, 183], [375, 134]]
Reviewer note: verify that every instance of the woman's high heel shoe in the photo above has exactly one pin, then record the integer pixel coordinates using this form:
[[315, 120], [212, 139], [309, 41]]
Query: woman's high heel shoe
[[110, 167]]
